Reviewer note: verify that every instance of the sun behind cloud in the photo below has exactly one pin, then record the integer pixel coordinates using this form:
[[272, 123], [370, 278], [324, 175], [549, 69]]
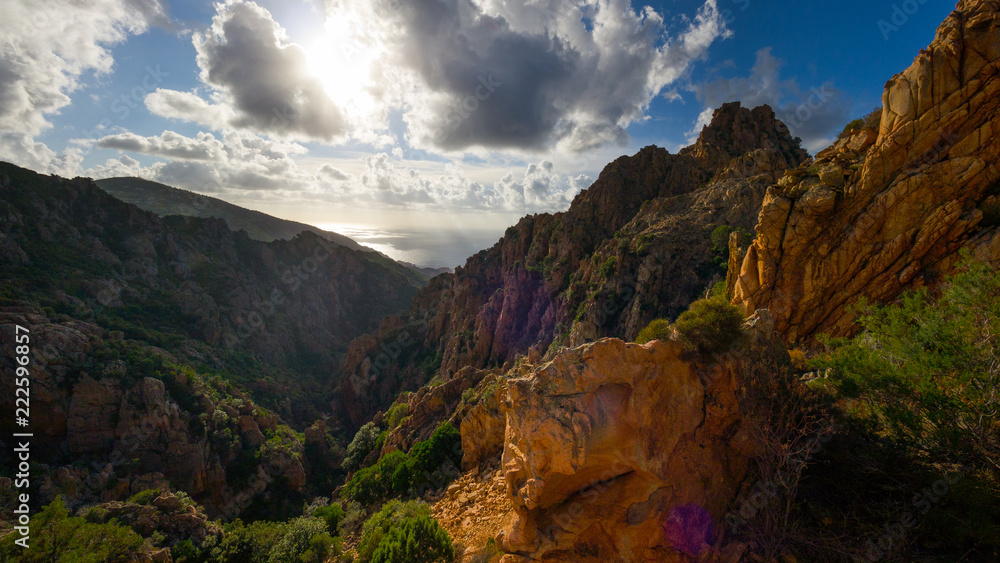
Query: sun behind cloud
[[342, 61]]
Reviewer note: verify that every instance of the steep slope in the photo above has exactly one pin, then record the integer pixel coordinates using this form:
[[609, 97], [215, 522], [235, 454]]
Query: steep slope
[[633, 247], [274, 316], [112, 417], [921, 193], [166, 200]]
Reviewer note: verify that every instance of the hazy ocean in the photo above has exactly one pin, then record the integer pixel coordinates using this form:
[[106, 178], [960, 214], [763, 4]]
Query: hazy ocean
[[423, 247]]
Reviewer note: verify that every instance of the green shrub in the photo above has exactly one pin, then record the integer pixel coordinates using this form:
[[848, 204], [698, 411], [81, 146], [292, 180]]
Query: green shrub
[[247, 544], [185, 552], [396, 473], [851, 127], [868, 121], [415, 540], [374, 483], [657, 329], [395, 414], [145, 497], [362, 445], [332, 515], [607, 268], [96, 514], [925, 369], [304, 540], [710, 325], [56, 536], [403, 533]]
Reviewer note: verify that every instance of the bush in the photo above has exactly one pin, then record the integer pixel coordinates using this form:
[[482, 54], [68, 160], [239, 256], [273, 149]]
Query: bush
[[56, 536], [332, 515], [145, 497], [925, 369], [851, 127], [657, 329], [362, 445], [710, 325], [415, 540], [607, 268], [397, 473], [248, 544], [304, 540], [395, 414], [870, 120], [403, 533]]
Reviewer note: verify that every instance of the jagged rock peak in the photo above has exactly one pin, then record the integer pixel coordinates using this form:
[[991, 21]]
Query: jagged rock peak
[[735, 131]]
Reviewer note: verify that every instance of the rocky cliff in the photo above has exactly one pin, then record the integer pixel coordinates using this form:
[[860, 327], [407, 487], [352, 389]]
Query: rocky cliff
[[895, 208], [633, 247]]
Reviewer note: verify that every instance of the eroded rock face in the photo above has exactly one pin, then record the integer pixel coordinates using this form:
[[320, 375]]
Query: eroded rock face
[[609, 440], [922, 190]]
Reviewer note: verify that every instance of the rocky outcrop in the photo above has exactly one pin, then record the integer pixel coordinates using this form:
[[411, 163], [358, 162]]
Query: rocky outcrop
[[175, 517], [483, 424], [877, 214], [632, 247], [429, 407], [611, 446]]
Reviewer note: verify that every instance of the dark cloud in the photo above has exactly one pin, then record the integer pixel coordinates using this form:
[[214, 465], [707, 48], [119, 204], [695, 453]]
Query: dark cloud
[[268, 80], [497, 80]]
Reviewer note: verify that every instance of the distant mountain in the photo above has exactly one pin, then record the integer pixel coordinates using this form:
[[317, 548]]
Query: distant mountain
[[167, 200]]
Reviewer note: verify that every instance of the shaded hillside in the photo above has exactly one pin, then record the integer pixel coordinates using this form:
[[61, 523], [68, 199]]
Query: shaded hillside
[[634, 246], [167, 200], [274, 316]]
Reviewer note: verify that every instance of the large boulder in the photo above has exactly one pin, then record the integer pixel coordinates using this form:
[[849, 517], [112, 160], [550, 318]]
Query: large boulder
[[611, 446]]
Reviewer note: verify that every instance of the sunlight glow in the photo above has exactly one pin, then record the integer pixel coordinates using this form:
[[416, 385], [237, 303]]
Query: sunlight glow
[[342, 62]]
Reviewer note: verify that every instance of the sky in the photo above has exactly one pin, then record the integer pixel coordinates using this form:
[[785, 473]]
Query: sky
[[407, 116]]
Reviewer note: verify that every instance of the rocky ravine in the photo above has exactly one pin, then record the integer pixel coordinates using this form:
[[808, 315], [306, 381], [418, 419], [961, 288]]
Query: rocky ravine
[[633, 247], [194, 284], [924, 189]]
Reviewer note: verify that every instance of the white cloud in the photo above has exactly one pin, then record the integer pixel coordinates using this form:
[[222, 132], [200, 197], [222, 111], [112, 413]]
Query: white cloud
[[168, 144], [243, 164], [46, 48], [506, 75], [466, 75], [262, 82]]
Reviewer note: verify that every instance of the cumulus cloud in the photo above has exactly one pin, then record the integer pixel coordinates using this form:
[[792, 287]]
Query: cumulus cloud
[[168, 144], [812, 114], [464, 74], [242, 164], [262, 81], [238, 161], [498, 74], [47, 46]]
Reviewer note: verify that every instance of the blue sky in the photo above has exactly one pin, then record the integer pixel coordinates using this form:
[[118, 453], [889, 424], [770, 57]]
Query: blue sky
[[333, 112]]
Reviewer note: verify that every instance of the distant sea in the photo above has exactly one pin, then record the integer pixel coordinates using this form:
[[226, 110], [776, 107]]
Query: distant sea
[[432, 248]]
